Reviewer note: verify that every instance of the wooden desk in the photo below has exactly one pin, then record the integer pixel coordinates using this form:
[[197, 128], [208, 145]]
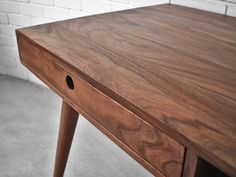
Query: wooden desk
[[159, 81]]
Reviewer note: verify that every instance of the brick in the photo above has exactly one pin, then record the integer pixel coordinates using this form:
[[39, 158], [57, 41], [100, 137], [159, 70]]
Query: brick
[[118, 7], [55, 13], [7, 61], [44, 2], [231, 10], [141, 3], [38, 21], [18, 62], [231, 1], [21, 0], [3, 18], [9, 51], [95, 6], [19, 71], [202, 4], [32, 10], [8, 29], [70, 4], [6, 40], [218, 1], [121, 1], [20, 20], [15, 42], [74, 14], [8, 6]]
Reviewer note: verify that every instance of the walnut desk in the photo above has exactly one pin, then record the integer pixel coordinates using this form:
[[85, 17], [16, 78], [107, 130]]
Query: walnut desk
[[159, 81]]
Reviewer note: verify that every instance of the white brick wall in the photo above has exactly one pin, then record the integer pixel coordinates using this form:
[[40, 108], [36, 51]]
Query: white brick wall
[[96, 6], [31, 10], [232, 10], [19, 20], [70, 4], [6, 40], [202, 4], [43, 2], [9, 6], [20, 13], [3, 18], [55, 13]]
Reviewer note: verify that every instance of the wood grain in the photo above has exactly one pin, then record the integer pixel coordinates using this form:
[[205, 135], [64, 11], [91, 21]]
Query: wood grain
[[190, 164], [68, 123], [174, 67], [149, 143]]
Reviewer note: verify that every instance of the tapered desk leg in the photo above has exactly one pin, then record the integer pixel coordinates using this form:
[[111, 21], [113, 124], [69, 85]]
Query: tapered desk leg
[[68, 122], [190, 165]]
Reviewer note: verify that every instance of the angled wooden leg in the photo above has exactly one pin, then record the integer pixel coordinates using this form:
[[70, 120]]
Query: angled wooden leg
[[190, 165], [68, 122]]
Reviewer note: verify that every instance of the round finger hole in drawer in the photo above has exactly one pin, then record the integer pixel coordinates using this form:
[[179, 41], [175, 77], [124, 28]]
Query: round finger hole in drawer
[[69, 82]]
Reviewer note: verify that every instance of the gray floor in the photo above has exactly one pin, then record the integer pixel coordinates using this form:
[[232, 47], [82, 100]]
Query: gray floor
[[29, 117]]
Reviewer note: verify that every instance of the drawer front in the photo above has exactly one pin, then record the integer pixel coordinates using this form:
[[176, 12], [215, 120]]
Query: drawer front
[[149, 143]]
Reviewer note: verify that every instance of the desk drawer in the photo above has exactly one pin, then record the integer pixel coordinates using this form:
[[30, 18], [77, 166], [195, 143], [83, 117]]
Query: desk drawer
[[151, 147]]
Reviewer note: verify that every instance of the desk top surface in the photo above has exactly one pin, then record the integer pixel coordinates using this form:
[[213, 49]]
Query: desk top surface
[[173, 66]]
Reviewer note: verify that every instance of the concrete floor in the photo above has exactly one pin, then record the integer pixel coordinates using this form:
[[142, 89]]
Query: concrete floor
[[29, 117]]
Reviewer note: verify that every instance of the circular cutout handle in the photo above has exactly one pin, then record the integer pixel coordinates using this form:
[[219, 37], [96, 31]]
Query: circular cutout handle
[[69, 82]]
